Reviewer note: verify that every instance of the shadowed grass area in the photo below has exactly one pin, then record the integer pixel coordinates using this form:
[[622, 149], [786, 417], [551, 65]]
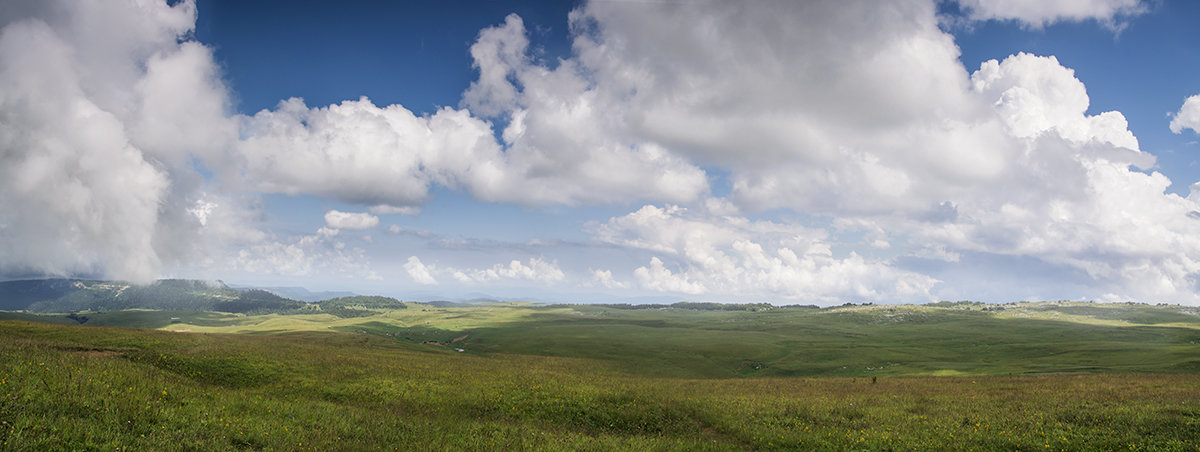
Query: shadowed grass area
[[72, 387]]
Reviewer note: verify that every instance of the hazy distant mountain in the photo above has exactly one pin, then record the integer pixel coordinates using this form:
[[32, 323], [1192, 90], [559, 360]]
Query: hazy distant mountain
[[19, 295]]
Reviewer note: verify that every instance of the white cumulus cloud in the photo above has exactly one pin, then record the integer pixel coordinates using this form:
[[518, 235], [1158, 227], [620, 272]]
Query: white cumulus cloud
[[604, 278], [862, 113], [1073, 197], [658, 278], [1040, 13], [567, 140], [1188, 116], [418, 271], [358, 152], [321, 253], [349, 220], [736, 257], [537, 270]]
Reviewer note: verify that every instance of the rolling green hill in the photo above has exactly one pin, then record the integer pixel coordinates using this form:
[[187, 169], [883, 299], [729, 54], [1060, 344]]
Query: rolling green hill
[[71, 295]]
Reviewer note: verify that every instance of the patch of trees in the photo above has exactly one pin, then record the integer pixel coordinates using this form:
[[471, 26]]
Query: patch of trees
[[367, 302], [958, 304], [753, 307], [359, 306], [176, 294], [445, 304], [257, 301]]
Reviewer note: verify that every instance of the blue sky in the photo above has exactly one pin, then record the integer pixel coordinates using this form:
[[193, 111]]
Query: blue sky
[[790, 152]]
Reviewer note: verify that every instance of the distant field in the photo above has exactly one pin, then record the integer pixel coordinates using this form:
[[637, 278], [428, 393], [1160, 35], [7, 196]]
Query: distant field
[[1045, 376], [954, 339]]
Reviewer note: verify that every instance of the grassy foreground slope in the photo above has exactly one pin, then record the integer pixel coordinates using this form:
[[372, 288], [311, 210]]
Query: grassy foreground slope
[[75, 387]]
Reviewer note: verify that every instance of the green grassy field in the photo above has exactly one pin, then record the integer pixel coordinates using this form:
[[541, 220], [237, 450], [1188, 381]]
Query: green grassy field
[[965, 339], [1065, 376]]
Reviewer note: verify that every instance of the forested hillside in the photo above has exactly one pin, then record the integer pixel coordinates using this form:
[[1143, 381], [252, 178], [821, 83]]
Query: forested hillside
[[74, 295]]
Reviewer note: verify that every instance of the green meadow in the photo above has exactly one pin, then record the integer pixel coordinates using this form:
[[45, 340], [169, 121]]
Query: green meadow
[[953, 376]]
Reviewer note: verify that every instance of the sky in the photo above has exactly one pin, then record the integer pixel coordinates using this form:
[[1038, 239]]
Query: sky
[[816, 152]]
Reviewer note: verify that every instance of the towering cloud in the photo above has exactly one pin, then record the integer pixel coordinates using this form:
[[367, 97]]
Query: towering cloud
[[358, 152], [863, 114], [102, 111]]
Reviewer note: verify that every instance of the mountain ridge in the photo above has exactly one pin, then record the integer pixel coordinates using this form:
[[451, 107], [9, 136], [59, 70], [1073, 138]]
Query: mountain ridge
[[75, 295]]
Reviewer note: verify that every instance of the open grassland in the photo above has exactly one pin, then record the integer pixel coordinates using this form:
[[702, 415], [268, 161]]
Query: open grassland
[[73, 387], [1064, 376], [953, 339]]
